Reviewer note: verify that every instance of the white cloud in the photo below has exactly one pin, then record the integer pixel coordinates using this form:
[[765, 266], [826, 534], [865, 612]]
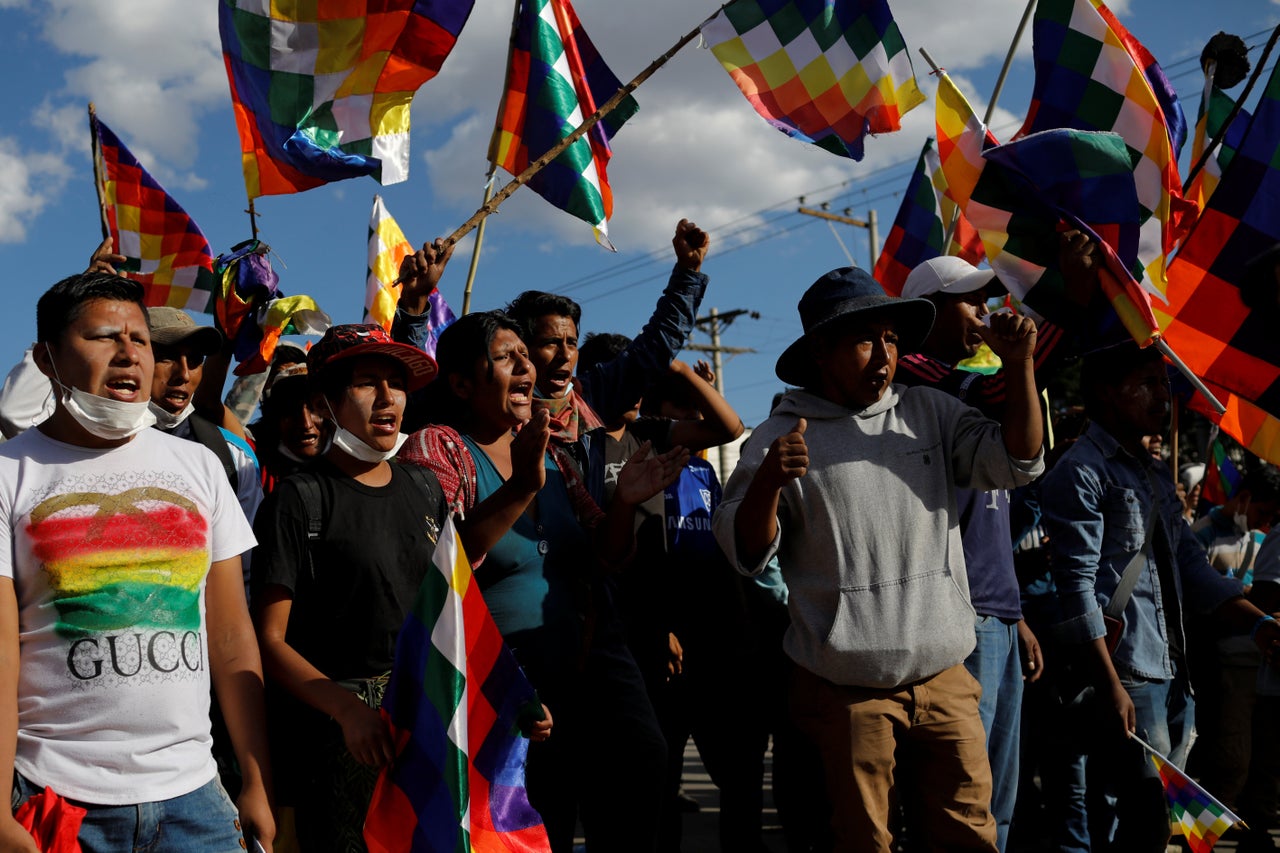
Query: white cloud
[[27, 183], [153, 70]]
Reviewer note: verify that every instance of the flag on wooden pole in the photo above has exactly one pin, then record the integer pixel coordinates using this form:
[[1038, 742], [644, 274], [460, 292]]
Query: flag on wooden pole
[[165, 250], [555, 79], [388, 247]]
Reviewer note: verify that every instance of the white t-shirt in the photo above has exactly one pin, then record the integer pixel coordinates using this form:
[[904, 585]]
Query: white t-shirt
[[109, 551]]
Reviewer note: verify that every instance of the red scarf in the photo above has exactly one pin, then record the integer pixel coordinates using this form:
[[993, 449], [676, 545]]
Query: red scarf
[[570, 416]]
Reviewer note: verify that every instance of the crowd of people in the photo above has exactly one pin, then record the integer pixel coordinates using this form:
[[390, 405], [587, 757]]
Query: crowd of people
[[952, 635]]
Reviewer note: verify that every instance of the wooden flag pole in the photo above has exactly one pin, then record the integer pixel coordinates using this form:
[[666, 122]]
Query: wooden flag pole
[[1235, 110], [98, 178], [607, 107], [991, 106], [253, 220], [475, 249]]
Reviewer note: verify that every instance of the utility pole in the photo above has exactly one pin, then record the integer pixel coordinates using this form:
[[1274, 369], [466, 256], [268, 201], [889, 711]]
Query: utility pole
[[869, 223], [714, 323]]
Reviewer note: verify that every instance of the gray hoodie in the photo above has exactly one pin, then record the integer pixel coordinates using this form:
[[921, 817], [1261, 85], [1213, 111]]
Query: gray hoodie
[[869, 538]]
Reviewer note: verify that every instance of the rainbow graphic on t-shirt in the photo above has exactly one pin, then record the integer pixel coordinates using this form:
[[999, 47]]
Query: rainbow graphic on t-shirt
[[136, 562]]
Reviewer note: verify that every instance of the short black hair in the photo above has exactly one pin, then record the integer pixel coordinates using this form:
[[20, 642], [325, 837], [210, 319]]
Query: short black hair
[[61, 304], [1263, 483], [600, 347], [1110, 367], [529, 306]]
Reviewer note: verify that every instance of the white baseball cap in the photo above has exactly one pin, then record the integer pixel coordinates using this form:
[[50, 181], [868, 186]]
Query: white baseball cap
[[946, 274]]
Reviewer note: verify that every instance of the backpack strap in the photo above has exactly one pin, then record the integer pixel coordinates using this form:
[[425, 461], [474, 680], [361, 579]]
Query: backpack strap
[[308, 485], [428, 488], [210, 436]]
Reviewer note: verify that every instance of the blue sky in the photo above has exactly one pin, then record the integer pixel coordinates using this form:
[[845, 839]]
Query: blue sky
[[696, 150]]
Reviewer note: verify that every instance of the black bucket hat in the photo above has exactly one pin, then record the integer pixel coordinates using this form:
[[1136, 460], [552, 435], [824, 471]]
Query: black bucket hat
[[842, 294]]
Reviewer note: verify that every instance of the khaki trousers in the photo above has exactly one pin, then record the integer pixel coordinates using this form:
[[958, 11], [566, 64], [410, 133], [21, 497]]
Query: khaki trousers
[[858, 731]]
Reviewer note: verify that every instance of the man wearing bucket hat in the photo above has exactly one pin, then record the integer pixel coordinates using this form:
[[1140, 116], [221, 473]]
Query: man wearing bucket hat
[[851, 484], [342, 550]]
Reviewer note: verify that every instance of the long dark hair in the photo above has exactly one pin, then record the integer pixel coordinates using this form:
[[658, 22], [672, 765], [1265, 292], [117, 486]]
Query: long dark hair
[[460, 346]]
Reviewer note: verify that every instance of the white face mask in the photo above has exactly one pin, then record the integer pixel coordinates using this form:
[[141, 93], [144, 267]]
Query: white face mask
[[355, 447], [166, 420], [352, 445], [110, 420], [1242, 522], [290, 455]]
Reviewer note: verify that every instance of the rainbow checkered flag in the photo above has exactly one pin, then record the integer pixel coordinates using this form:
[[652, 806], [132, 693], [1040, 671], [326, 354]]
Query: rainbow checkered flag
[[455, 704], [1093, 75], [822, 71], [1206, 321], [921, 225], [165, 250], [1203, 819], [322, 90], [556, 78], [1215, 106], [387, 249], [1020, 195]]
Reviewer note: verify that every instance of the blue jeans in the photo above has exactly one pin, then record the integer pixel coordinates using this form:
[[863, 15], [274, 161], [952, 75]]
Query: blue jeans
[[997, 666], [204, 821]]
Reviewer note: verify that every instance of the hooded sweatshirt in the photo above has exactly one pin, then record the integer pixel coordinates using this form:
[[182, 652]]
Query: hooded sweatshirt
[[869, 538]]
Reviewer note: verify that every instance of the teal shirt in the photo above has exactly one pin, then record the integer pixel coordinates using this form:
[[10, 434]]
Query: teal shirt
[[531, 577]]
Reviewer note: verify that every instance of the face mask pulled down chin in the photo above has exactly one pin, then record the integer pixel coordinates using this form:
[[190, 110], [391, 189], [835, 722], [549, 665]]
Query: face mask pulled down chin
[[110, 420], [350, 444], [168, 420], [353, 446]]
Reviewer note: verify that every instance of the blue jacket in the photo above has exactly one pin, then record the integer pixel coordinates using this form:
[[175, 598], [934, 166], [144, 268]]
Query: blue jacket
[[612, 387], [1096, 501]]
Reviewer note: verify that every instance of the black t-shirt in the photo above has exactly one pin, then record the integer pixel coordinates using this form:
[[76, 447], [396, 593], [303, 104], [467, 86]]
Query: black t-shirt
[[374, 549]]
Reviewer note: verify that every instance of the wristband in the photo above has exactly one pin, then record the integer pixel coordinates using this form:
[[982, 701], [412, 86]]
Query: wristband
[[1253, 635]]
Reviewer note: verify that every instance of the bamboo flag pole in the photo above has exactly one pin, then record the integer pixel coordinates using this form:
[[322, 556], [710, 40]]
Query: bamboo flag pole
[[99, 183], [607, 107], [991, 105]]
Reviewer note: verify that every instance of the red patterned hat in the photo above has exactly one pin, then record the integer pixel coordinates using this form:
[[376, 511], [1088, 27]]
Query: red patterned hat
[[350, 340]]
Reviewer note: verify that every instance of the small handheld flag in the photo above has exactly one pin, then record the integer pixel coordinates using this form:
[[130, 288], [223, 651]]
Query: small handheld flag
[[1202, 817]]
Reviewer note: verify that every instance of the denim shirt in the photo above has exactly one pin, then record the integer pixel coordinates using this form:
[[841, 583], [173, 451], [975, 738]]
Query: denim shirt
[[1096, 502]]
